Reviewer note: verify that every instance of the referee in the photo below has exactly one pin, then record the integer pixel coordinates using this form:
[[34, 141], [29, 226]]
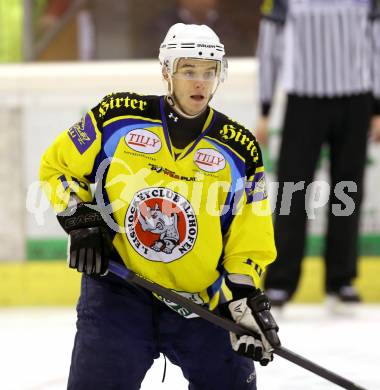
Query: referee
[[328, 54]]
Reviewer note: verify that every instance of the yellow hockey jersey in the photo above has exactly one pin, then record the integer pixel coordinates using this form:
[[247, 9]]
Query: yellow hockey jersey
[[182, 220]]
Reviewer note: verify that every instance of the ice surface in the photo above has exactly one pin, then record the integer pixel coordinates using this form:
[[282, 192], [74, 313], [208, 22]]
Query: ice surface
[[35, 350]]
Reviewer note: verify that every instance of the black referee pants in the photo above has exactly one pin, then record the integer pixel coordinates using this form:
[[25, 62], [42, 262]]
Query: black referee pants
[[342, 123]]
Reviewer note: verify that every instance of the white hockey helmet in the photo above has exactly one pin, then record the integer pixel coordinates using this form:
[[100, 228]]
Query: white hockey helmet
[[192, 41]]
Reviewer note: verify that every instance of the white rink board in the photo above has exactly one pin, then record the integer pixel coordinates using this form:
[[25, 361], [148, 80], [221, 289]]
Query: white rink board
[[36, 349]]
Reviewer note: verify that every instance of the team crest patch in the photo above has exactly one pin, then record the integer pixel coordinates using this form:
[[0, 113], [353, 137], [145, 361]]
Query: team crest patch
[[209, 160], [83, 134], [256, 190], [161, 224], [143, 141]]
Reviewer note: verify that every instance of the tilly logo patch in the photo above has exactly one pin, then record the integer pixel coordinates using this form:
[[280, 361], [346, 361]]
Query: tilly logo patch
[[209, 160], [161, 224], [143, 141]]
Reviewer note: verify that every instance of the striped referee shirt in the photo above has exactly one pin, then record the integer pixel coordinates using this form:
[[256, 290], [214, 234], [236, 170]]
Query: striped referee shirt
[[322, 48]]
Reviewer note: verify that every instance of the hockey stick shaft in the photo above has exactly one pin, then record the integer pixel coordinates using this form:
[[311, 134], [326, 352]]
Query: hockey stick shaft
[[228, 325]]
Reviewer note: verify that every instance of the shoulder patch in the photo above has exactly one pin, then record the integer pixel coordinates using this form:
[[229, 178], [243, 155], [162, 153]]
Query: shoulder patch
[[82, 134]]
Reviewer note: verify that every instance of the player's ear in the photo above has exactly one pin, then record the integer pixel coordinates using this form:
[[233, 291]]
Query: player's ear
[[165, 73]]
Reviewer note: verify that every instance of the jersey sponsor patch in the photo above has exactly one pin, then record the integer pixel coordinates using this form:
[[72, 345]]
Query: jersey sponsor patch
[[256, 189], [168, 172], [209, 160], [112, 102], [161, 224], [143, 141], [238, 136], [83, 134]]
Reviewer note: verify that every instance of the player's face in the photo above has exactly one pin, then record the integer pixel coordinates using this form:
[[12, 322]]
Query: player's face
[[194, 82]]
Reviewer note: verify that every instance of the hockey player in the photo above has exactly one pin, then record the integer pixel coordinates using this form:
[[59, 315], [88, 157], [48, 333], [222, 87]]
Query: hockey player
[[179, 200]]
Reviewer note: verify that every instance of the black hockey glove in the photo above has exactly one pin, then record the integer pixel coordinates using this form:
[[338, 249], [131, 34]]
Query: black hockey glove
[[253, 313], [89, 244]]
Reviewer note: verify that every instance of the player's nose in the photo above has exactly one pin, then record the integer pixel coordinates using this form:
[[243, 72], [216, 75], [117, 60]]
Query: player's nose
[[199, 84]]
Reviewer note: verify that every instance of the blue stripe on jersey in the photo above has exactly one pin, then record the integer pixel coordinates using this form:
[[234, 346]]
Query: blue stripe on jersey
[[64, 182], [258, 270], [112, 133], [111, 128], [216, 286], [165, 125], [237, 167], [111, 142]]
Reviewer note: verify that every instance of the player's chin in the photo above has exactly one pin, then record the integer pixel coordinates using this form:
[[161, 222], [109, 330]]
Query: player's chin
[[197, 103]]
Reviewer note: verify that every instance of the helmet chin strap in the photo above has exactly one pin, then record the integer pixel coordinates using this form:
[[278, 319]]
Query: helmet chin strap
[[173, 102]]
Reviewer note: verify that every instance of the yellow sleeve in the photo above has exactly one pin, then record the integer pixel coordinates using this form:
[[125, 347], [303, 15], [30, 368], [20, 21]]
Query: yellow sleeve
[[67, 164], [249, 243]]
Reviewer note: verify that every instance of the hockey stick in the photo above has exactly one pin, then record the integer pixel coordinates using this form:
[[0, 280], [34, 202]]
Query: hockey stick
[[228, 325]]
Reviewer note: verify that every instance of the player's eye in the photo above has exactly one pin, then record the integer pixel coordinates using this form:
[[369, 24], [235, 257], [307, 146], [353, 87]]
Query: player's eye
[[189, 74], [209, 75]]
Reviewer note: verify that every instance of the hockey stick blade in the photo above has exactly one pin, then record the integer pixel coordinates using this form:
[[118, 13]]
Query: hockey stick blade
[[228, 325]]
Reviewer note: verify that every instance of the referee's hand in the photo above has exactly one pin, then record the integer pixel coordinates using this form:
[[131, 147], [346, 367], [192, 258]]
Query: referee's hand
[[261, 131], [375, 129]]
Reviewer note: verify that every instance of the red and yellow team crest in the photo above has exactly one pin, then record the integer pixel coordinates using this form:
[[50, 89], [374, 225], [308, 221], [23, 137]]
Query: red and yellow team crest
[[161, 224]]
